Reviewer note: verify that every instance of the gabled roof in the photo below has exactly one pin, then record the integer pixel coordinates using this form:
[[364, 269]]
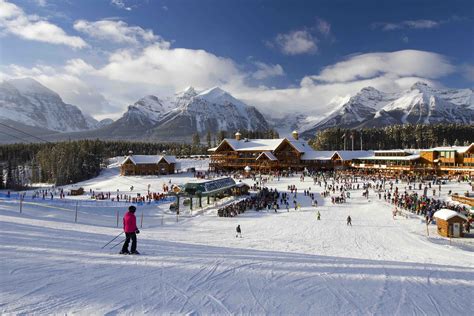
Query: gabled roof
[[262, 144], [353, 154], [446, 214], [268, 154], [148, 159]]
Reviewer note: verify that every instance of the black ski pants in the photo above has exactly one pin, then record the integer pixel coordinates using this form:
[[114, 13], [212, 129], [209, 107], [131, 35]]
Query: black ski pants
[[129, 236]]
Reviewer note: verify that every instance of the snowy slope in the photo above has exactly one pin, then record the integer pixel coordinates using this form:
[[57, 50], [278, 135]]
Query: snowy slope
[[28, 102], [286, 263]]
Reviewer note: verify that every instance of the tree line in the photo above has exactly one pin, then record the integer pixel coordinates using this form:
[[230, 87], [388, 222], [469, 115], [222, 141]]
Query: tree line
[[69, 162], [394, 137]]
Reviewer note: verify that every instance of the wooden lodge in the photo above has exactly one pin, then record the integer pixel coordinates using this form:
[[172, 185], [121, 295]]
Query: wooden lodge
[[438, 160], [450, 223], [264, 155], [134, 165]]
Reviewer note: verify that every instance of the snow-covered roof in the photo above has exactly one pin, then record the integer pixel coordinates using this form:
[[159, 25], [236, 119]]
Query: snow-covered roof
[[265, 144], [446, 214], [459, 149], [389, 151], [317, 155], [354, 154], [404, 158], [148, 159], [268, 154]]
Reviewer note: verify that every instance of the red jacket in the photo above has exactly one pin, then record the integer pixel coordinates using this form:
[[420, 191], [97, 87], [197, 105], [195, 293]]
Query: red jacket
[[129, 222]]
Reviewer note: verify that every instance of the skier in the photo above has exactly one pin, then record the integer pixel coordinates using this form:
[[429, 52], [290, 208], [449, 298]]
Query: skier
[[131, 231], [319, 216], [349, 221], [238, 232]]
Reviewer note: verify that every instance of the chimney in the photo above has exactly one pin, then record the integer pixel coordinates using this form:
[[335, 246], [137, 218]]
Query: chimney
[[295, 135], [238, 135]]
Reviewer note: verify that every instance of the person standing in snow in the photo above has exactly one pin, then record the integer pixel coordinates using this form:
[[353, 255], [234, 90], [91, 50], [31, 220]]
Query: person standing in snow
[[319, 216], [349, 221], [238, 232], [131, 231]]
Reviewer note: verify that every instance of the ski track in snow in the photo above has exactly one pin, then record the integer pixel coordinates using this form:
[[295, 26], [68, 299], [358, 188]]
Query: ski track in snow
[[286, 263]]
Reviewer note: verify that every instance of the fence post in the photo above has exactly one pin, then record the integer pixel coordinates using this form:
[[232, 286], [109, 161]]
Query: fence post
[[75, 218], [21, 204], [117, 218], [141, 221]]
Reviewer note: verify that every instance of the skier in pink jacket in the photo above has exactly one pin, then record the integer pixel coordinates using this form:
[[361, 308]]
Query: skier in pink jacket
[[131, 231]]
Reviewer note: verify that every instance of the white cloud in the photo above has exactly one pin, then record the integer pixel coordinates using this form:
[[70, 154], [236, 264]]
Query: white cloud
[[176, 67], [41, 3], [402, 63], [130, 74], [266, 70], [323, 26], [120, 4], [14, 20], [468, 72], [296, 42], [115, 31], [407, 24]]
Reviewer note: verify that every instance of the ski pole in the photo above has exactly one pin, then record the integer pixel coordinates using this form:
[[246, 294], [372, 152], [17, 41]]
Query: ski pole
[[111, 240], [117, 244]]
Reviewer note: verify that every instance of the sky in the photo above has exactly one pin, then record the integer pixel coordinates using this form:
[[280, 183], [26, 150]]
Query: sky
[[280, 56]]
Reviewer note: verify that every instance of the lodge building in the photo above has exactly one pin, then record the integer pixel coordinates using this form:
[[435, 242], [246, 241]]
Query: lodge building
[[438, 160], [263, 155], [134, 165]]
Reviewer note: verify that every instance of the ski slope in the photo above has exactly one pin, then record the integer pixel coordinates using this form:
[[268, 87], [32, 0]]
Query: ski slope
[[286, 263]]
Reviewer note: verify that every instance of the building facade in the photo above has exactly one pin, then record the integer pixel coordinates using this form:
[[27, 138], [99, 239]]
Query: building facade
[[134, 165], [264, 155]]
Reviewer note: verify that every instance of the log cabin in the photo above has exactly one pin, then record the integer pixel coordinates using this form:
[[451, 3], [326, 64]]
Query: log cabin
[[450, 223], [134, 165]]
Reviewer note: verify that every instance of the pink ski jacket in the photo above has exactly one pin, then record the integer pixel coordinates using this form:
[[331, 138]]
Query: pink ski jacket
[[129, 223]]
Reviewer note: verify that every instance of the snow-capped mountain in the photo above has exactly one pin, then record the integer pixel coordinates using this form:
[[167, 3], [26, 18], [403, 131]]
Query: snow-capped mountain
[[28, 102], [178, 117], [210, 110], [146, 111], [357, 109], [421, 104]]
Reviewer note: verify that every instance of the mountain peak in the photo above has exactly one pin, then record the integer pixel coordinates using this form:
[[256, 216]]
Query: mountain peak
[[369, 89], [187, 93], [30, 86], [419, 85], [214, 91]]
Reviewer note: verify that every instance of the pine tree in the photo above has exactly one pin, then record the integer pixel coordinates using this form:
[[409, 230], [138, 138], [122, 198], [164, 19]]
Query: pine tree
[[196, 139], [1, 177], [208, 139]]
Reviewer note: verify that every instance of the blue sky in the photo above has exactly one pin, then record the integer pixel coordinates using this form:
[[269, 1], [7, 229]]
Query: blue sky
[[281, 55]]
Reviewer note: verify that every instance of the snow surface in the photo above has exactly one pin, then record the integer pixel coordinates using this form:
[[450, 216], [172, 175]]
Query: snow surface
[[287, 263]]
